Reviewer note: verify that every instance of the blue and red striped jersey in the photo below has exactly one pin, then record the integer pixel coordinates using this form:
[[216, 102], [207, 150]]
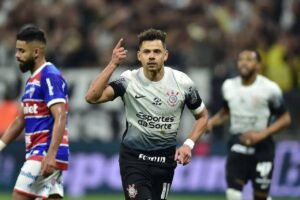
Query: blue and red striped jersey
[[43, 89]]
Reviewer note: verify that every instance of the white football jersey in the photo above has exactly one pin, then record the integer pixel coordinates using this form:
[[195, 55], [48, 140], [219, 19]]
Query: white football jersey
[[251, 106], [153, 109]]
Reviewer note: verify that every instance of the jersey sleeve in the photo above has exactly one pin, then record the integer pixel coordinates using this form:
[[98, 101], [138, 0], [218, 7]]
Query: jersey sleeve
[[53, 87], [192, 98], [276, 101], [223, 94], [120, 84]]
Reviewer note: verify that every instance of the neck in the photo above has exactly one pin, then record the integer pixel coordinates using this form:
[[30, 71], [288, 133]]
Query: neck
[[38, 64], [154, 75], [249, 80]]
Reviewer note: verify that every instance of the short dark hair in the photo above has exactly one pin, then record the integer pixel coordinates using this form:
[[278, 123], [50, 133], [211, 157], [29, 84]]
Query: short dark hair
[[152, 34], [255, 51], [31, 33]]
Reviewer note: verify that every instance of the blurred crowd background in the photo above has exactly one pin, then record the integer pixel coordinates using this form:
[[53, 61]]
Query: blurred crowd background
[[204, 34]]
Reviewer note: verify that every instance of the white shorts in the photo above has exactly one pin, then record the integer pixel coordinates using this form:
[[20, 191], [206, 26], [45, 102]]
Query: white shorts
[[31, 183]]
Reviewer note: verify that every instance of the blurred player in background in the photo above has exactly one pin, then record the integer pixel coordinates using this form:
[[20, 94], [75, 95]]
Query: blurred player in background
[[250, 101], [154, 97], [44, 117]]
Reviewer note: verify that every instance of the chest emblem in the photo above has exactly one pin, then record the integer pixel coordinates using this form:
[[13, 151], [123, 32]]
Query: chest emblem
[[173, 98]]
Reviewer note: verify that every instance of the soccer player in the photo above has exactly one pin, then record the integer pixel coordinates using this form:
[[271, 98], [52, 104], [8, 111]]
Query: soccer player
[[252, 102], [44, 117], [154, 97]]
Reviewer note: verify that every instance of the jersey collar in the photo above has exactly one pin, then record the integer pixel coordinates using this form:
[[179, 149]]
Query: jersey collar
[[40, 69]]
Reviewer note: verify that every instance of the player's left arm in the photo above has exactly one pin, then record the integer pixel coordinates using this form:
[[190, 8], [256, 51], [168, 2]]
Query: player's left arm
[[194, 102], [183, 154], [252, 138]]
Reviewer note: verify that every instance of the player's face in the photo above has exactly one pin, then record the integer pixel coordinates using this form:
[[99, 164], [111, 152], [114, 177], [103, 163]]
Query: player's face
[[24, 55], [247, 64], [152, 55]]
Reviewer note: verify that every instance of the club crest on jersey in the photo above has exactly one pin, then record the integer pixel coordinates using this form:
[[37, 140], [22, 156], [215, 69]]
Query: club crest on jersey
[[132, 191], [173, 98]]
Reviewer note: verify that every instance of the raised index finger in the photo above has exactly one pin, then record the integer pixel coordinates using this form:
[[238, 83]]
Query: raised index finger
[[119, 44]]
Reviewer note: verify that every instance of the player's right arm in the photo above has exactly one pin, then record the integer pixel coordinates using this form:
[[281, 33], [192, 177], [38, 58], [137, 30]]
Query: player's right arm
[[13, 131], [100, 91], [219, 118], [223, 114]]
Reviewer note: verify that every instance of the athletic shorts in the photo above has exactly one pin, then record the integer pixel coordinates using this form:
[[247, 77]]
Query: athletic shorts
[[147, 174], [31, 183], [241, 168]]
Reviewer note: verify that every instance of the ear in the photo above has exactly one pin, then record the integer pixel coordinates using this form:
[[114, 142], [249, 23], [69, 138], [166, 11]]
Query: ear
[[36, 52], [259, 68], [166, 55], [138, 54]]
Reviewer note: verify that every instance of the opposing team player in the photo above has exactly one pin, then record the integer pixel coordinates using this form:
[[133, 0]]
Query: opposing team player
[[44, 117], [250, 101], [154, 97]]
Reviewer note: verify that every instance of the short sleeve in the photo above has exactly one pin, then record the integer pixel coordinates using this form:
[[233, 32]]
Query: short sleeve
[[223, 93], [192, 98], [120, 84], [54, 89], [276, 101]]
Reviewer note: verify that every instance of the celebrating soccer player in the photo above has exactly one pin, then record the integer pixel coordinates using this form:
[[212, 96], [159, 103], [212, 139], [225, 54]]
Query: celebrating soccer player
[[154, 96]]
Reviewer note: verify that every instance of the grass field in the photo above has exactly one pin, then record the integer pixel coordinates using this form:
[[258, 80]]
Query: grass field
[[171, 197]]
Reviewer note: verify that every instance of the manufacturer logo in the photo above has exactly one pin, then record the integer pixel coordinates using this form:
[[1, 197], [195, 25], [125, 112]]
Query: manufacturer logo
[[139, 96], [132, 191], [35, 82]]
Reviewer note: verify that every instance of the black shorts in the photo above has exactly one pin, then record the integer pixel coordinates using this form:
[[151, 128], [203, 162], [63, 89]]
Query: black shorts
[[147, 174], [256, 167]]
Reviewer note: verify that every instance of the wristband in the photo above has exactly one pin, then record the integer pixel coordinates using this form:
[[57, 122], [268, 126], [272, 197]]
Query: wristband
[[2, 145], [190, 143]]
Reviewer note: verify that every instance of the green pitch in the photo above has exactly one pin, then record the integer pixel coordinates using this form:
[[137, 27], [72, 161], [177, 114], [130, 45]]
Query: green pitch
[[172, 197], [120, 197]]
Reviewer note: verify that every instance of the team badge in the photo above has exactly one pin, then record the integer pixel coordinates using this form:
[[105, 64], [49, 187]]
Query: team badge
[[173, 99], [132, 191]]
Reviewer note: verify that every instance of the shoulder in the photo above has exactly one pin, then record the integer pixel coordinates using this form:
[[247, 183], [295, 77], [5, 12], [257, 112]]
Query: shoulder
[[268, 84], [180, 77], [50, 70], [231, 82], [129, 74]]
